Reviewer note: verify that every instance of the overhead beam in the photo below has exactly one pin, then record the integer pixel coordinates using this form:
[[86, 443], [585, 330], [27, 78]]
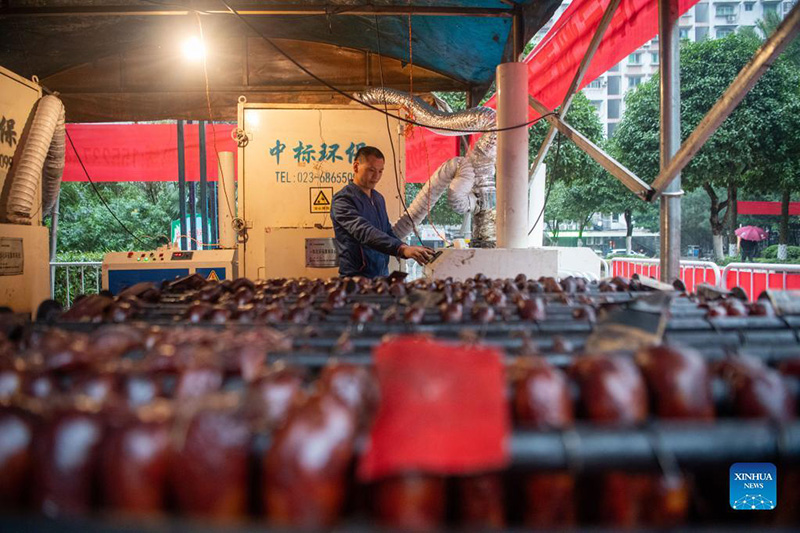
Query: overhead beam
[[738, 89], [608, 15], [628, 178], [277, 9]]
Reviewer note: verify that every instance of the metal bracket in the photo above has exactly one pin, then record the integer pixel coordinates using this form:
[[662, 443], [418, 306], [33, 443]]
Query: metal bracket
[[628, 178], [241, 137]]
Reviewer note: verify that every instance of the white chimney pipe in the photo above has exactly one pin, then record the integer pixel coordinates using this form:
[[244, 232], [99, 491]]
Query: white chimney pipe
[[226, 199]]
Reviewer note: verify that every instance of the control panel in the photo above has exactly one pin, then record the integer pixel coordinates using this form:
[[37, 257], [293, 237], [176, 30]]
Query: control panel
[[123, 269]]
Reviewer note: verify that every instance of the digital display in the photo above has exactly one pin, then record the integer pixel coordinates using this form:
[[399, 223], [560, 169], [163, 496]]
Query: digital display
[[181, 256]]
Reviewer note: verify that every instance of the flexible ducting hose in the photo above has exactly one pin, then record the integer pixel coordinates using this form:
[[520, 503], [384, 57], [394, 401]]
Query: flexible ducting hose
[[41, 162], [431, 192], [471, 182]]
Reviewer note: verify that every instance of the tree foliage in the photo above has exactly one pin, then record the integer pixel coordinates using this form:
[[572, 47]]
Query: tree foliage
[[85, 225], [736, 155]]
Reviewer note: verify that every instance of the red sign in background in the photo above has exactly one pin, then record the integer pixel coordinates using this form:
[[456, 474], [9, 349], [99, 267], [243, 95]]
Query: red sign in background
[[149, 152]]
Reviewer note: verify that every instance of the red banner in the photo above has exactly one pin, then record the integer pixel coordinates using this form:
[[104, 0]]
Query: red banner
[[142, 152], [149, 152], [425, 151], [554, 61], [766, 208]]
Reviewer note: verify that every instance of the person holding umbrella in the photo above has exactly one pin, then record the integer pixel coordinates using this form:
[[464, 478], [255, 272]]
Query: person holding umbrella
[[749, 237]]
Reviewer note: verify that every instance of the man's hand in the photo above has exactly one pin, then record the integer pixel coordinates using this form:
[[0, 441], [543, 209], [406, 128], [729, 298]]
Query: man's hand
[[420, 254]]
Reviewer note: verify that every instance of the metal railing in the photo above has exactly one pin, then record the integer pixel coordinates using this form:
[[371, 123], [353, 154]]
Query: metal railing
[[605, 268], [686, 264], [71, 267], [752, 268]]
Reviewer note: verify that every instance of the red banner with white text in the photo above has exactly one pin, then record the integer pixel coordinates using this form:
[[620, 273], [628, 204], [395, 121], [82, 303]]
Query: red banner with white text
[[149, 152]]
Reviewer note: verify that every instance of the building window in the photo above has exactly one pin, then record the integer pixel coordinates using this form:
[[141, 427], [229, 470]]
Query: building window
[[701, 13], [611, 126], [615, 68], [614, 85], [634, 81], [635, 58], [595, 84], [748, 6], [655, 40], [613, 108], [598, 104], [654, 58], [683, 33], [770, 8], [723, 32], [724, 10], [700, 33]]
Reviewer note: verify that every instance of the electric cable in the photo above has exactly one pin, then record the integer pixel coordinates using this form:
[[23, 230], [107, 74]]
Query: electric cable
[[220, 173], [389, 133], [550, 186], [97, 192], [365, 104]]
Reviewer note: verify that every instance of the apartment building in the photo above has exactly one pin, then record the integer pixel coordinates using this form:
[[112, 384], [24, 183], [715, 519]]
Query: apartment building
[[708, 19]]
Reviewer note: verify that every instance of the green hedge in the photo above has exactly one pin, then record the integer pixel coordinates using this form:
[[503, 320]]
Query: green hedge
[[771, 252]]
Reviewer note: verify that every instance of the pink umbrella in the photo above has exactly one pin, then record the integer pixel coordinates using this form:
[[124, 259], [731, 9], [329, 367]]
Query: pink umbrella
[[751, 233]]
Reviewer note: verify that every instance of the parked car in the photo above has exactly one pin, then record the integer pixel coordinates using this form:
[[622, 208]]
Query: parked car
[[619, 252]]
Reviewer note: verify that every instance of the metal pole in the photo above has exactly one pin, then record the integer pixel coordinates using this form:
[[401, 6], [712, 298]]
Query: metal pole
[[192, 217], [670, 102], [212, 212], [734, 94], [608, 15], [182, 185], [192, 212], [512, 156], [54, 244], [518, 34], [203, 186]]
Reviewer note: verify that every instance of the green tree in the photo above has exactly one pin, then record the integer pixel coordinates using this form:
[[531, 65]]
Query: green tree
[[577, 187], [733, 155], [779, 161], [85, 225]]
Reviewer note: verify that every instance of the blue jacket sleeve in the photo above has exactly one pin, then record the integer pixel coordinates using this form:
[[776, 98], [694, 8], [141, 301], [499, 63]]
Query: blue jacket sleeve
[[346, 214]]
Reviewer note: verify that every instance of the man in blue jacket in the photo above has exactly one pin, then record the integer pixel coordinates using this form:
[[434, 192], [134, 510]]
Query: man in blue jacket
[[363, 234]]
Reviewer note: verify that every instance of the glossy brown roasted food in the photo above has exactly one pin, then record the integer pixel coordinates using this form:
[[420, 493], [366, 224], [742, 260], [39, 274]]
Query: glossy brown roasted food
[[209, 465], [758, 391], [66, 458], [542, 401], [306, 466], [136, 456], [16, 457], [612, 389], [679, 382], [411, 502]]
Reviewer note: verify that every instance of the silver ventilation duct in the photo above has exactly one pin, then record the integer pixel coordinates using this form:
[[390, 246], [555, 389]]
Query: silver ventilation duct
[[470, 179], [41, 163]]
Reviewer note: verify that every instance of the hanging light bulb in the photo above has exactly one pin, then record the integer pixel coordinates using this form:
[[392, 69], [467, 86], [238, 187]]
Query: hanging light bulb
[[193, 49]]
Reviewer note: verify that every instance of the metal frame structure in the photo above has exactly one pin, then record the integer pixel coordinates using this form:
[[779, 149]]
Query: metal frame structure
[[265, 10], [666, 186]]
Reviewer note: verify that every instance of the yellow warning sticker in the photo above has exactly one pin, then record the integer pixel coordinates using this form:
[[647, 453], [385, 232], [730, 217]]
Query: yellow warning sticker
[[320, 199], [212, 276]]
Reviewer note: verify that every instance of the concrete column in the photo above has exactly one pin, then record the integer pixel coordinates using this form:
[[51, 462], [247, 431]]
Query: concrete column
[[512, 156], [536, 202], [226, 196]]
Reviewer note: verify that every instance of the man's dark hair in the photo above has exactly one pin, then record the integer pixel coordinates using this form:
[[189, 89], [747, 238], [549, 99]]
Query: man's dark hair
[[368, 151]]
